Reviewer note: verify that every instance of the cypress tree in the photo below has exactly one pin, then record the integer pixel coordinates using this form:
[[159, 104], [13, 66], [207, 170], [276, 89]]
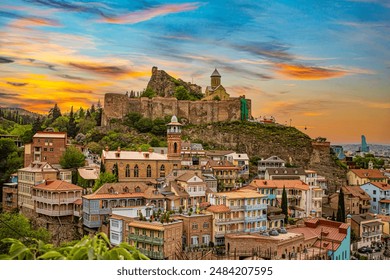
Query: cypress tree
[[341, 208], [72, 129], [285, 205]]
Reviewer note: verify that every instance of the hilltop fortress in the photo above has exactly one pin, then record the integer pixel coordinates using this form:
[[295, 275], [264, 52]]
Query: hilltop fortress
[[215, 106]]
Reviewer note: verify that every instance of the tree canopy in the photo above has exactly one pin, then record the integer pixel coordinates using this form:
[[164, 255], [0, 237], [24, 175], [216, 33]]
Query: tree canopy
[[72, 158]]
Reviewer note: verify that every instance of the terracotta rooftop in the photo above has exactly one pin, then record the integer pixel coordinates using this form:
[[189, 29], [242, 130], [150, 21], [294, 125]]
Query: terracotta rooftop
[[58, 185], [382, 186], [218, 209], [368, 173], [279, 184], [188, 175], [49, 134], [356, 191], [363, 218], [241, 193], [88, 173]]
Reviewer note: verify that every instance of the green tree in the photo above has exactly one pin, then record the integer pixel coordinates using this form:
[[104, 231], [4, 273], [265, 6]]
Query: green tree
[[72, 158], [17, 226], [132, 118], [284, 205], [61, 123], [97, 247], [181, 93], [10, 159], [72, 129], [144, 125], [37, 125], [341, 208], [149, 93], [85, 125], [95, 148], [159, 127], [55, 112], [104, 177]]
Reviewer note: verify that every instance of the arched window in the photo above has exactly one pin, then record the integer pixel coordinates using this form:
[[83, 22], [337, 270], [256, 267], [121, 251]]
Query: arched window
[[136, 171], [126, 190], [127, 172], [149, 171], [162, 170], [137, 189], [175, 147]]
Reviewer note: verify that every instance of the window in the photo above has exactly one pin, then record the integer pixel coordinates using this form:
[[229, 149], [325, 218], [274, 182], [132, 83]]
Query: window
[[175, 147], [205, 225], [194, 226], [162, 170], [149, 171], [127, 172], [374, 192], [114, 223], [194, 240], [51, 149], [206, 239], [374, 199], [136, 171], [114, 236], [45, 149]]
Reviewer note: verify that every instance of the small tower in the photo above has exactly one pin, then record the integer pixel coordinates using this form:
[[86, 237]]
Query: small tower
[[174, 138], [215, 79]]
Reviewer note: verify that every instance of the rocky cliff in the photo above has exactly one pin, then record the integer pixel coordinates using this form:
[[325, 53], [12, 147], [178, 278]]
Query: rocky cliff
[[265, 140], [164, 85]]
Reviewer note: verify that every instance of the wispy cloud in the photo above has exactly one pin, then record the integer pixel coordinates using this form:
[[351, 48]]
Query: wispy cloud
[[5, 60], [384, 3], [301, 72], [270, 50], [29, 20], [149, 13], [17, 84]]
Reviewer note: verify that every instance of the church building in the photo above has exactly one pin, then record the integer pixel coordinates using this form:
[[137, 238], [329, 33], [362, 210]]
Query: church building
[[147, 166], [216, 91]]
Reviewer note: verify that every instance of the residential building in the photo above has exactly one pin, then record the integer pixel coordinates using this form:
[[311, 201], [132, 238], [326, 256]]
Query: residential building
[[356, 200], [237, 211], [275, 218], [158, 241], [120, 217], [55, 198], [34, 174], [386, 225], [136, 166], [270, 162], [285, 173], [313, 179], [280, 247], [217, 155], [197, 229], [331, 237], [299, 196], [10, 197], [379, 193], [262, 187], [87, 176], [240, 160], [98, 205], [357, 177], [46, 146], [225, 172], [368, 229]]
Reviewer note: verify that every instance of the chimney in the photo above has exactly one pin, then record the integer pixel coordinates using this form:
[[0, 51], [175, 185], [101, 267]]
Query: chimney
[[106, 148]]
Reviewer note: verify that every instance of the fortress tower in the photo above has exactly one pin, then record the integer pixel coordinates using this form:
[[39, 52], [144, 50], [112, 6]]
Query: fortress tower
[[174, 138]]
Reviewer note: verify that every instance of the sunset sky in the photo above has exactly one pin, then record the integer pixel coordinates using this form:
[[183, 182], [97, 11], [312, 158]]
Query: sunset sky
[[323, 65]]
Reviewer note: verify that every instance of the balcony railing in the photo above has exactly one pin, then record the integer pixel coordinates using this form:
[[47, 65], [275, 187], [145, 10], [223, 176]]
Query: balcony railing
[[237, 207], [152, 254], [146, 239], [255, 219], [54, 213], [371, 233], [255, 207], [54, 200], [229, 221]]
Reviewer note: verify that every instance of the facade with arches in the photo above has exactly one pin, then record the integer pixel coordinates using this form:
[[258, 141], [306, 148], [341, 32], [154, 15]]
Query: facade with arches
[[146, 165]]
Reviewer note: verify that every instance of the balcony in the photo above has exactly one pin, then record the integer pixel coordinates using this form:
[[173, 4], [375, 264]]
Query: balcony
[[54, 200], [222, 233], [371, 233], [92, 224], [155, 255], [255, 219], [146, 239], [255, 207], [54, 213], [235, 208], [229, 221], [224, 177], [256, 229]]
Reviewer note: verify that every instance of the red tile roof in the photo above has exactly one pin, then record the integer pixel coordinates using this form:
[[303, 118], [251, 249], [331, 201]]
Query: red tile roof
[[58, 185], [368, 173], [218, 209], [382, 186], [279, 184]]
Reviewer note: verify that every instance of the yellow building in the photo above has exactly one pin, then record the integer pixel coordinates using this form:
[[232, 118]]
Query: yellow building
[[147, 166], [361, 176], [216, 91]]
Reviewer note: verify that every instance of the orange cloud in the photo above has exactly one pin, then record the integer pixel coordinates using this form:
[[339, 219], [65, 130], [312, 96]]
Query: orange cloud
[[312, 114], [301, 72], [150, 13]]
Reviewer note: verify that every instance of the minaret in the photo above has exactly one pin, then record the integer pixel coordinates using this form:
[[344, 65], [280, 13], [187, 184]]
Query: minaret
[[174, 139], [215, 79]]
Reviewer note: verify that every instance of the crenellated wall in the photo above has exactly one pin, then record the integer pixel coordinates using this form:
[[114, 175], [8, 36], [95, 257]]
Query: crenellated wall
[[116, 106]]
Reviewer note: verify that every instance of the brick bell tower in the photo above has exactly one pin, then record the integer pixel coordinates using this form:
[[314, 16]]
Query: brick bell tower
[[174, 138]]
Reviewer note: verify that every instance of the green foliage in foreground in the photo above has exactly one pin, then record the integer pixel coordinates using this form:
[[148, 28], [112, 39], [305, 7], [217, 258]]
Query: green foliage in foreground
[[88, 248]]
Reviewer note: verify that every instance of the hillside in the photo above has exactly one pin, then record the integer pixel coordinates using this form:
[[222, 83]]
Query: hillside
[[20, 111], [265, 140]]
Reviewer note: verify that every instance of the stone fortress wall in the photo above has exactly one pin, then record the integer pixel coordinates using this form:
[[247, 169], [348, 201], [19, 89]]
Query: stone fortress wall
[[116, 106]]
